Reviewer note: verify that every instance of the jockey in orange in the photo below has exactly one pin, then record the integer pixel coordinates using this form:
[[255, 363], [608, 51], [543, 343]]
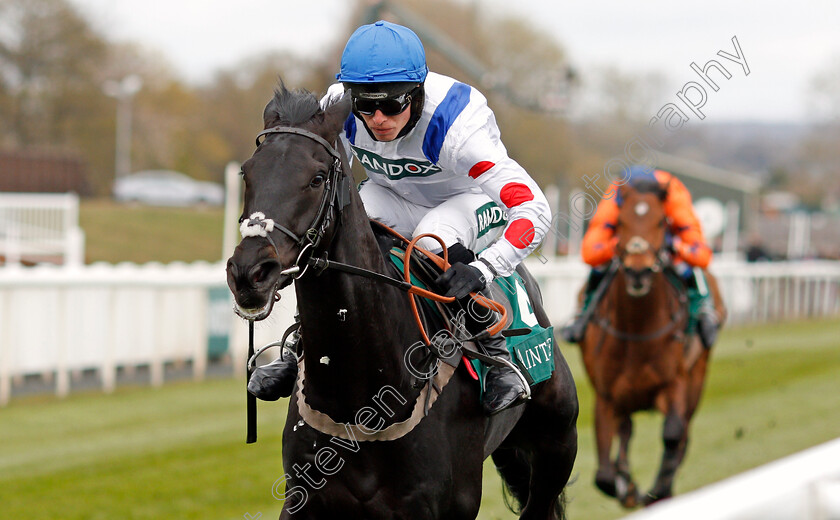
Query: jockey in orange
[[691, 253]]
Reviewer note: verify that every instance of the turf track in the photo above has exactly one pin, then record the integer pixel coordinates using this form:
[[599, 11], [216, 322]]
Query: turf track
[[178, 452]]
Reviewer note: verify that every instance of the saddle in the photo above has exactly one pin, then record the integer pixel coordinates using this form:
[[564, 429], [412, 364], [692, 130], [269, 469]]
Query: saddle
[[528, 331]]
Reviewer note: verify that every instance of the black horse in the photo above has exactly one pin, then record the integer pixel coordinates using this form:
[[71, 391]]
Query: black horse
[[357, 441]]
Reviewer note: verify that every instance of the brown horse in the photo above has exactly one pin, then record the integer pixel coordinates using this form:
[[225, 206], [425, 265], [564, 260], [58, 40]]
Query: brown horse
[[636, 352]]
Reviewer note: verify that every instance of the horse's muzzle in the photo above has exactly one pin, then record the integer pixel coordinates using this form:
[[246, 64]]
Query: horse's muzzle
[[639, 281], [254, 287]]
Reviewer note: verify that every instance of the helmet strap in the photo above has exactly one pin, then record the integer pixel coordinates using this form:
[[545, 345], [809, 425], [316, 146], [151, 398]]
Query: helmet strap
[[416, 108]]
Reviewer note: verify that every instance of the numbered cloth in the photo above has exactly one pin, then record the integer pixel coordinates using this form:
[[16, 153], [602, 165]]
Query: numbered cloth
[[533, 353]]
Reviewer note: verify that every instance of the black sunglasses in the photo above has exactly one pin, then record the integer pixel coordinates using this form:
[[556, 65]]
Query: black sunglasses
[[388, 106]]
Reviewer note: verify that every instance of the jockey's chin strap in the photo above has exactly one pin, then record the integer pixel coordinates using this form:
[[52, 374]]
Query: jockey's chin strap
[[336, 197]]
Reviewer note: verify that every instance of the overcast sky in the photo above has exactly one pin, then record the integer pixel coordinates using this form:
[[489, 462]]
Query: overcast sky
[[783, 43]]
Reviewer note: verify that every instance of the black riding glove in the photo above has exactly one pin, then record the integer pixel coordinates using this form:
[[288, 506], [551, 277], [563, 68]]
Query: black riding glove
[[460, 280], [458, 252]]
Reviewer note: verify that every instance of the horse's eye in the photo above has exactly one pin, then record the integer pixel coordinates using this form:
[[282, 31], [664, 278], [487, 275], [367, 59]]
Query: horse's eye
[[317, 181]]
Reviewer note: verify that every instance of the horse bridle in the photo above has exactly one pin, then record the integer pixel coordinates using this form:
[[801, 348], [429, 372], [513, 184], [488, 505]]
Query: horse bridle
[[638, 245], [336, 196]]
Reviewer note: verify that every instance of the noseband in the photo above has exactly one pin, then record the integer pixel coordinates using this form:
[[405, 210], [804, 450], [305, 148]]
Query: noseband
[[637, 245], [336, 196]]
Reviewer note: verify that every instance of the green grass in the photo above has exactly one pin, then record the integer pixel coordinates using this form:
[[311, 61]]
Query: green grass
[[133, 233], [178, 452]]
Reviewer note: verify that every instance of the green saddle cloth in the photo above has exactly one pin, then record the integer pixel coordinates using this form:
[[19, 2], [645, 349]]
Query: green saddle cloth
[[533, 353]]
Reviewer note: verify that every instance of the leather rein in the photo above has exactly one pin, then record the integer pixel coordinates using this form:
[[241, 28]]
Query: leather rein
[[661, 264]]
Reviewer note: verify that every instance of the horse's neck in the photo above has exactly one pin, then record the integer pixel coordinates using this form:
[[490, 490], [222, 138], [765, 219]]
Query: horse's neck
[[355, 330]]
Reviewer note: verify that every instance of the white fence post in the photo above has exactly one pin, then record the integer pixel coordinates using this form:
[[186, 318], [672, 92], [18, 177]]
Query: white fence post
[[156, 366], [41, 226], [233, 194], [5, 348], [62, 380], [108, 368]]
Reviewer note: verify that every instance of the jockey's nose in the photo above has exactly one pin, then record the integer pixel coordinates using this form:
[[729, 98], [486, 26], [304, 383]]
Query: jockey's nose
[[379, 117]]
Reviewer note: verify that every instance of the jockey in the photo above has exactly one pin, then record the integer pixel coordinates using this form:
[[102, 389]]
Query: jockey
[[691, 254], [436, 164]]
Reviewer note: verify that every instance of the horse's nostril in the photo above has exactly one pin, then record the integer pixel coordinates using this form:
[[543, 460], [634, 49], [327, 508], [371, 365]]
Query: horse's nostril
[[258, 275], [262, 272], [232, 274]]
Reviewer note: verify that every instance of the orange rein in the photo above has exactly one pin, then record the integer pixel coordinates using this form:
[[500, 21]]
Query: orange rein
[[442, 263]]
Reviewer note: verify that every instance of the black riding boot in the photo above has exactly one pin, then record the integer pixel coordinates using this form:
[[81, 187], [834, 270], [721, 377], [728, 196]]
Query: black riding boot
[[573, 332], [708, 324], [277, 379], [702, 303], [503, 388]]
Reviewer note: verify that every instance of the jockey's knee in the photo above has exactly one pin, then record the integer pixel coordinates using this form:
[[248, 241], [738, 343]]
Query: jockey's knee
[[448, 232]]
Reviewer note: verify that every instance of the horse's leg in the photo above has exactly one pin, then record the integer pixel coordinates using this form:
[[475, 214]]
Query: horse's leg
[[675, 429], [551, 466], [545, 440], [516, 475], [675, 433], [696, 380], [671, 460], [606, 424], [674, 439], [626, 489]]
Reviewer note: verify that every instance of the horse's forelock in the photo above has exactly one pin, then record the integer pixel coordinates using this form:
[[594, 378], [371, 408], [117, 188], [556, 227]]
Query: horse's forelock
[[290, 107]]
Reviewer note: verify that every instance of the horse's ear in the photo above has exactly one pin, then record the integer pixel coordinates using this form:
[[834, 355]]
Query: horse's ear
[[336, 113], [271, 113], [663, 191]]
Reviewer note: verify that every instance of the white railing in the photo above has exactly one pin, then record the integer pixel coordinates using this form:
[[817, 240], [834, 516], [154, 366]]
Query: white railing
[[59, 321], [769, 291], [753, 292], [804, 486], [40, 227]]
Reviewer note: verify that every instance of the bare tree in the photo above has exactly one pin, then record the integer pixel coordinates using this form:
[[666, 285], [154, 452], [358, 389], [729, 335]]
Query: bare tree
[[49, 59]]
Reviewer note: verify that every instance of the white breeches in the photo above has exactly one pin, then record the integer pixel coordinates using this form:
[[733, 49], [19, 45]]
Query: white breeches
[[472, 219]]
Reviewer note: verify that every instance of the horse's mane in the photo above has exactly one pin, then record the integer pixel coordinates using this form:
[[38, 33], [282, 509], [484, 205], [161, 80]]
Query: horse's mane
[[290, 107]]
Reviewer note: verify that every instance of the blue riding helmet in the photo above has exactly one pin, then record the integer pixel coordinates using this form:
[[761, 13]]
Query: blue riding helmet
[[383, 52], [643, 179], [640, 175]]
